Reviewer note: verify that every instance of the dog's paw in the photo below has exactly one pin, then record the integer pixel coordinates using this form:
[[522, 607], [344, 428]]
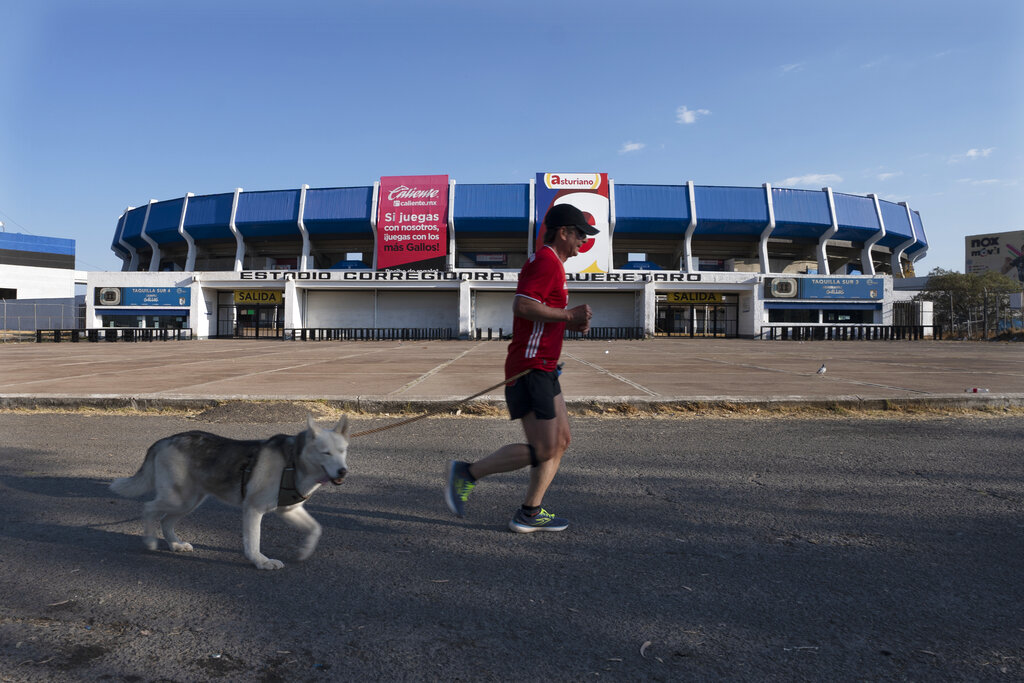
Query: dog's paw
[[267, 563], [181, 547], [306, 550]]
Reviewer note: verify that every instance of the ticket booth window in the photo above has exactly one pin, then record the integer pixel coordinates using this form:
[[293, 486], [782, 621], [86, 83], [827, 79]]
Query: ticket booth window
[[173, 320]]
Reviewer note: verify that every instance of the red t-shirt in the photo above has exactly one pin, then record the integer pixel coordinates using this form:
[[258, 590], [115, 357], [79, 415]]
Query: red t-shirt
[[536, 344]]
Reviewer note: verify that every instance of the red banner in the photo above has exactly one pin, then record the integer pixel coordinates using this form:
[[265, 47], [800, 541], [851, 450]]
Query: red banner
[[412, 219]]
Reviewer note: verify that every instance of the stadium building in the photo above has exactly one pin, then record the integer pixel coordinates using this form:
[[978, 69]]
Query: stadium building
[[35, 267], [37, 285], [431, 257]]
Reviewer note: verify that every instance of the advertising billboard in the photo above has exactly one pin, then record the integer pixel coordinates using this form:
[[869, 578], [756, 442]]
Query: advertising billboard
[[841, 288], [588, 192], [1002, 252], [412, 219], [143, 296], [832, 287]]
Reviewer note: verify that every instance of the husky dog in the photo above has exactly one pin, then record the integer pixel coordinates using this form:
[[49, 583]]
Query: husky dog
[[278, 474]]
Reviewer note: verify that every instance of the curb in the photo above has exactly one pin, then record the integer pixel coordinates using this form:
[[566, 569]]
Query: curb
[[596, 404]]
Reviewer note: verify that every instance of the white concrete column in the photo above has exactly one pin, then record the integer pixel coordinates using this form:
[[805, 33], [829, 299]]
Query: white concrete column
[[373, 227], [762, 245], [294, 316], [688, 264], [465, 310], [154, 259], [307, 248], [611, 224], [204, 309], [239, 240], [190, 256], [897, 265], [867, 264], [450, 259], [919, 255], [132, 262], [198, 308], [650, 308], [823, 268], [532, 229]]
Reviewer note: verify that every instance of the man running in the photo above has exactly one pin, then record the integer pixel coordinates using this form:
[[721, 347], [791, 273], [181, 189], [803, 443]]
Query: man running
[[541, 318]]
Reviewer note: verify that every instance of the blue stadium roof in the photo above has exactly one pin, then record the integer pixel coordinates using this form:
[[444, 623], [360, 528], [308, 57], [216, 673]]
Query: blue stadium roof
[[642, 212]]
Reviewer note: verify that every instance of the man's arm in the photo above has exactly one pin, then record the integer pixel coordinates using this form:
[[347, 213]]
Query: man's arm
[[576, 319]]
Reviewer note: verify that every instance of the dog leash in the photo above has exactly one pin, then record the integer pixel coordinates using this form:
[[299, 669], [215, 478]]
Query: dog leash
[[287, 492], [445, 407]]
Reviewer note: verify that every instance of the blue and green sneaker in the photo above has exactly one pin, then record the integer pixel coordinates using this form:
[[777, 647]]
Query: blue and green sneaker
[[460, 485], [544, 521]]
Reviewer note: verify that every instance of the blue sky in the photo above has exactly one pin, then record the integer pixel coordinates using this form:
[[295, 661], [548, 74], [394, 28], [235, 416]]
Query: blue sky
[[108, 104]]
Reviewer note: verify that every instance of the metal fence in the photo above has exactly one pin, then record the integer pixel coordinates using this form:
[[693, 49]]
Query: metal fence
[[608, 333], [20, 319], [366, 333], [627, 332], [113, 334], [500, 334], [849, 332], [421, 333]]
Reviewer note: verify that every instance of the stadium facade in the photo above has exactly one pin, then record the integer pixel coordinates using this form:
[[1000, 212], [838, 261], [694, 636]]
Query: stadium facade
[[427, 253]]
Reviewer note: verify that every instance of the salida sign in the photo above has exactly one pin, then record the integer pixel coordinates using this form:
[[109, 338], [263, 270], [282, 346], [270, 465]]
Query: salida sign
[[412, 219]]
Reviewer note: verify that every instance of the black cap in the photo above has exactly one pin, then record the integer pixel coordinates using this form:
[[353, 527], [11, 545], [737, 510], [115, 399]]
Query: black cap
[[567, 214]]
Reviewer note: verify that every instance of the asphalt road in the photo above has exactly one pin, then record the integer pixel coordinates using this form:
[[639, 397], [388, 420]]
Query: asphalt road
[[736, 549]]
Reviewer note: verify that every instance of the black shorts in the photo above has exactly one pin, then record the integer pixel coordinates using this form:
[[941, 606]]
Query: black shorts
[[533, 393]]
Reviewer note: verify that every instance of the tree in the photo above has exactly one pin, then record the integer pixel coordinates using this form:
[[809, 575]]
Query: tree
[[968, 304]]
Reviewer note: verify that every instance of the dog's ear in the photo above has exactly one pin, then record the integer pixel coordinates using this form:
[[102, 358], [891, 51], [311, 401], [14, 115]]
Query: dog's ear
[[342, 427], [312, 425]]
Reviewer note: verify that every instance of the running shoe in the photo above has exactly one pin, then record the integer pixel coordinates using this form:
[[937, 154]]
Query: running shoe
[[521, 523], [459, 487]]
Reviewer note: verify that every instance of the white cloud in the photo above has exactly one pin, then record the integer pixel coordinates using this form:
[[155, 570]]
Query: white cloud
[[888, 175], [987, 181], [816, 180], [973, 153], [687, 116], [792, 68], [875, 63], [632, 147]]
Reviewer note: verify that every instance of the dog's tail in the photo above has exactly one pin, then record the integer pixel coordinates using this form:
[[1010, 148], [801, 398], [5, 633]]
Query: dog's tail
[[139, 483]]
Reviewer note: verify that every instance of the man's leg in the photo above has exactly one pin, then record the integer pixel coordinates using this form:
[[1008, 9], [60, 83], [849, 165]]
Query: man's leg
[[547, 440], [514, 456], [550, 438]]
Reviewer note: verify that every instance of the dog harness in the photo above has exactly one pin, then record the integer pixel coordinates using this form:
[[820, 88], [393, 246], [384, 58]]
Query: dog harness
[[287, 493]]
